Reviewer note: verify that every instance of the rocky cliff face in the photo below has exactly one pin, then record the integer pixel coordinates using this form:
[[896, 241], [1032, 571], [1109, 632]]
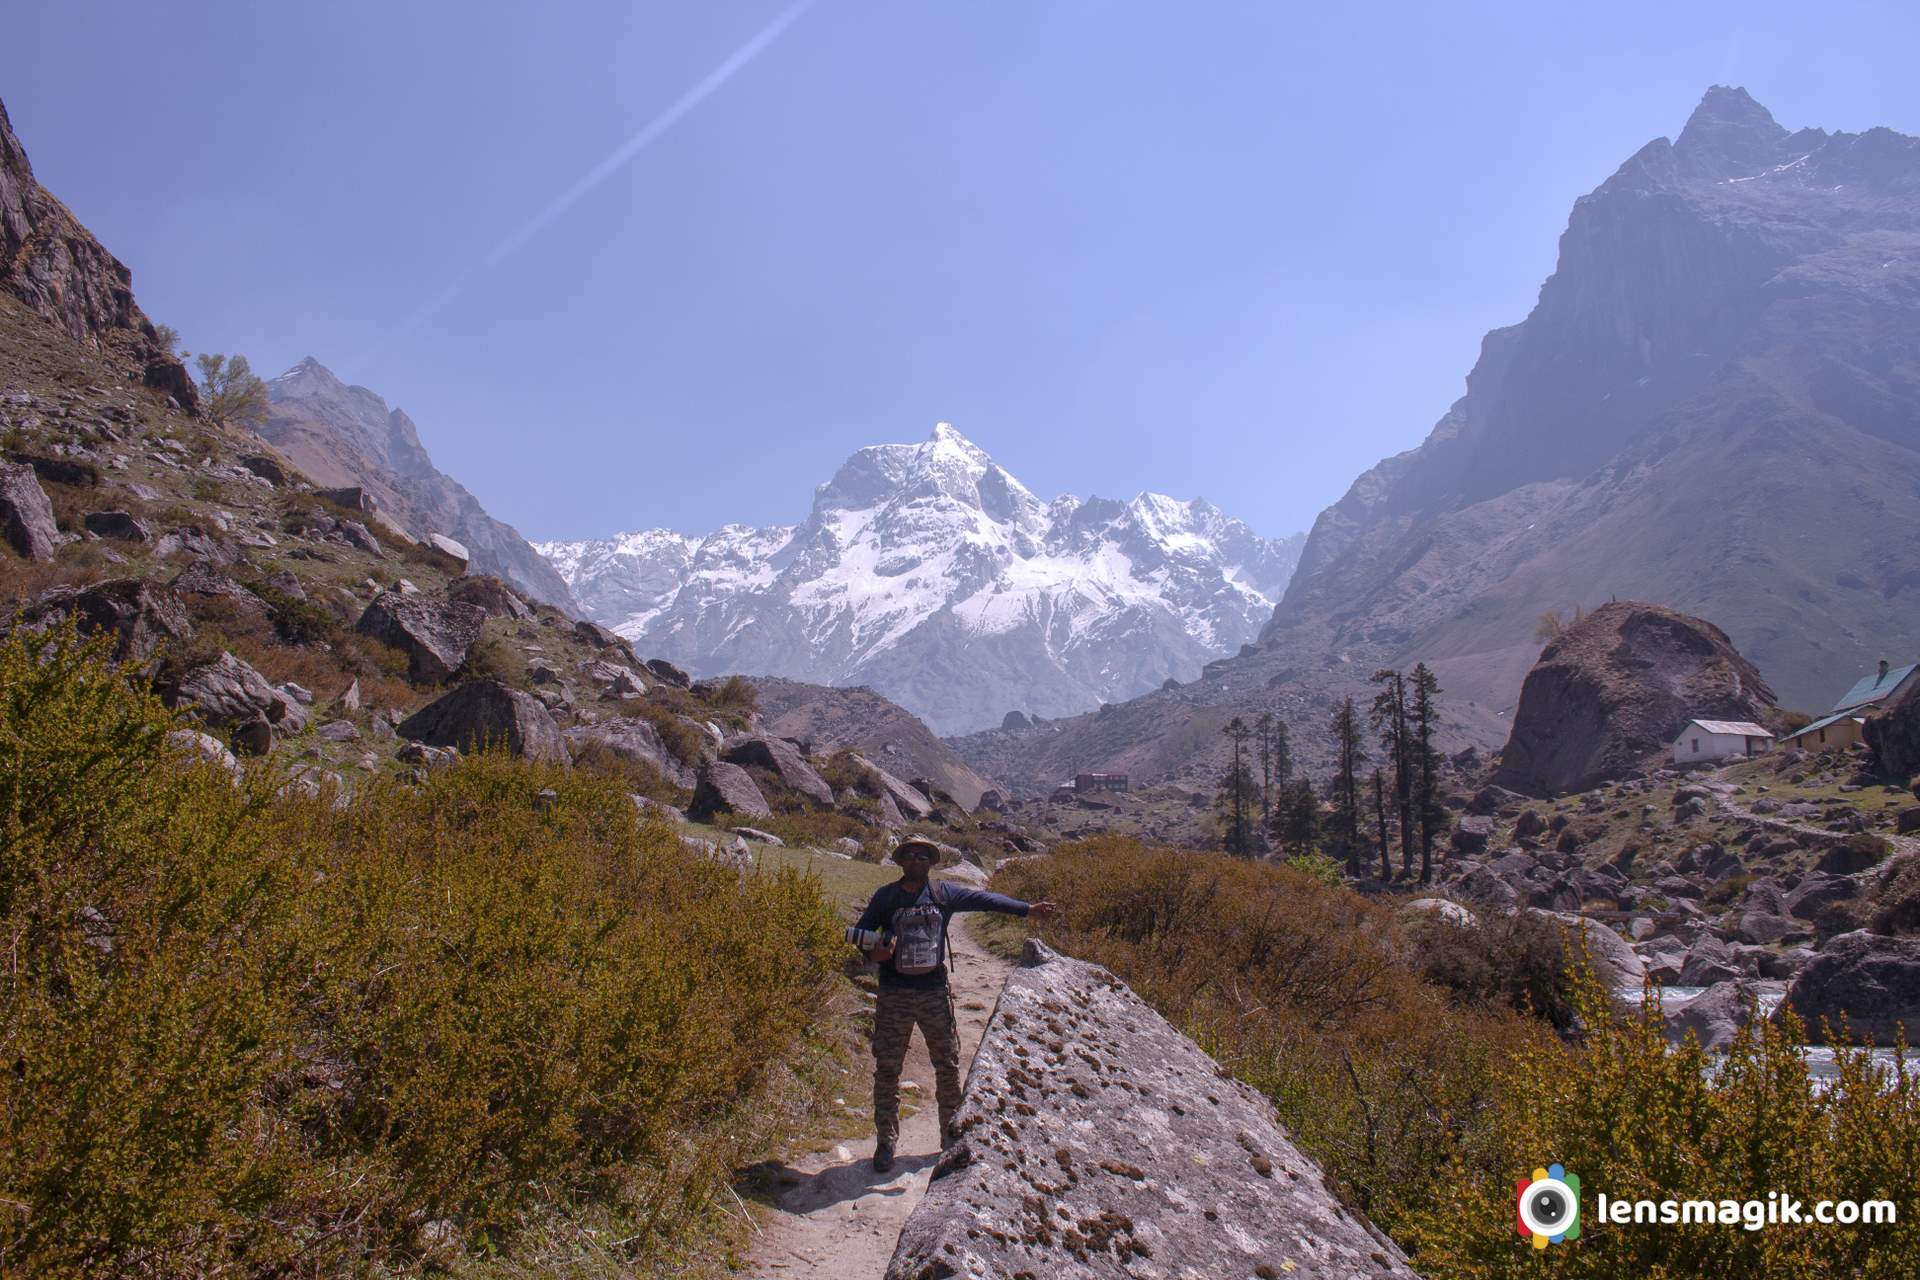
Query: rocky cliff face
[[1610, 695], [1096, 1140], [928, 572], [1715, 404], [858, 719], [341, 435], [54, 265]]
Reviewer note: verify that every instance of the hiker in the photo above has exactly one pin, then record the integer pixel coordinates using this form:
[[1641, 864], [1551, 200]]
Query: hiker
[[910, 916]]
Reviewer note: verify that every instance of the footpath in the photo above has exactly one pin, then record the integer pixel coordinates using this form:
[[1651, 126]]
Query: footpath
[[833, 1217]]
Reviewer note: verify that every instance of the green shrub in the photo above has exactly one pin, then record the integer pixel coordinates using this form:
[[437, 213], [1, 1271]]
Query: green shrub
[[494, 657], [1317, 866], [686, 743], [1425, 1103], [257, 1034]]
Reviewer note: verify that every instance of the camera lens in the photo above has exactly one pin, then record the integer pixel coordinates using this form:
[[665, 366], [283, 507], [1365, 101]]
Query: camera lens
[[1549, 1206]]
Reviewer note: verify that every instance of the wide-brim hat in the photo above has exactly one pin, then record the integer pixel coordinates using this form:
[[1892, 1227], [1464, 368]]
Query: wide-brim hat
[[928, 847]]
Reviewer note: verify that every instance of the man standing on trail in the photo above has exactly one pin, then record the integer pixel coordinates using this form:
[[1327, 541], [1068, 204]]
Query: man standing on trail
[[911, 917]]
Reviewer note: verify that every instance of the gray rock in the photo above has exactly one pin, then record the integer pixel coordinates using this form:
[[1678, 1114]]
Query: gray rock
[[601, 638], [1472, 834], [1092, 1136], [1614, 960], [360, 536], [666, 672], [1484, 887], [227, 692], [491, 595], [1715, 1016], [1446, 911], [759, 837], [140, 616], [26, 516], [117, 524], [615, 678], [205, 746], [353, 498], [252, 737], [631, 740], [909, 802], [784, 759], [205, 578], [266, 468], [448, 547], [1870, 981], [1711, 960], [419, 753], [726, 788], [435, 634], [299, 693], [338, 731], [484, 713]]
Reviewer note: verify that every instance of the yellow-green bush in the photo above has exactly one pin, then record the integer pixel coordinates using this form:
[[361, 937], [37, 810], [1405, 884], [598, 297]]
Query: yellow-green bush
[[264, 1034], [1427, 1102]]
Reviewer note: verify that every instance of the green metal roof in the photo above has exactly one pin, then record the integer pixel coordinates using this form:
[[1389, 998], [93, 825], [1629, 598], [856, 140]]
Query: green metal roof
[[1874, 686], [1819, 724]]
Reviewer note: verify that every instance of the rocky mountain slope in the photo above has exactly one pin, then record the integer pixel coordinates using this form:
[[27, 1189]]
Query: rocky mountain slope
[[346, 436], [827, 718], [928, 572], [1715, 404], [55, 266]]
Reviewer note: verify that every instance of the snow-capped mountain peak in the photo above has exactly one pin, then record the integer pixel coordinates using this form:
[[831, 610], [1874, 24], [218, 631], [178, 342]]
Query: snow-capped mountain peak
[[931, 573]]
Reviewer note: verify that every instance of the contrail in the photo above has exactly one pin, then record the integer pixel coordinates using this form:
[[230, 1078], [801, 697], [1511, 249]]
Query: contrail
[[599, 173]]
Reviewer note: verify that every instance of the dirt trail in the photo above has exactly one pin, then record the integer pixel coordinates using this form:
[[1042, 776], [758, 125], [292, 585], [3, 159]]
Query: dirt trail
[[834, 1218]]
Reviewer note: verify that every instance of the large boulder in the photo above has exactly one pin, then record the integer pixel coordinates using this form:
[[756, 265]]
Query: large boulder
[[490, 595], [1870, 981], [435, 633], [1614, 960], [910, 802], [483, 713], [1715, 1016], [1097, 1140], [784, 759], [1609, 695], [26, 516], [632, 740], [141, 616], [227, 693], [726, 788]]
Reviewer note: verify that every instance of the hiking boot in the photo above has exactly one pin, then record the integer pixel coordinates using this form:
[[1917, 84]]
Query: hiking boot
[[883, 1158]]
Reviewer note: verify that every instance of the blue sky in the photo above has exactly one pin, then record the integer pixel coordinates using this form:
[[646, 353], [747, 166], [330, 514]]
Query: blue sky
[[1234, 249]]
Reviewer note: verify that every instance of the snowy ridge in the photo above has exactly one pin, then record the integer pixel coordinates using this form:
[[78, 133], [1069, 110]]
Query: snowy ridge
[[930, 573]]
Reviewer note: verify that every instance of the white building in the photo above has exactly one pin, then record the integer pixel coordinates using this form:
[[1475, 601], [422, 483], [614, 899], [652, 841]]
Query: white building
[[1702, 740]]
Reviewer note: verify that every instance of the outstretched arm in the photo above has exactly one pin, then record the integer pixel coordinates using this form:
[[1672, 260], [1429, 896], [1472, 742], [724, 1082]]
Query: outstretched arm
[[959, 899]]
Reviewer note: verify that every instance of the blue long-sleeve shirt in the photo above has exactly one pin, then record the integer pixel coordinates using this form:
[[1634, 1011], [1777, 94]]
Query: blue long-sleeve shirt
[[952, 899]]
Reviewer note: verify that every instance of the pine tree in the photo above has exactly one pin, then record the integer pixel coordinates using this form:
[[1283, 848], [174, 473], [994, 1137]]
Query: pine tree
[[1296, 816], [1349, 755], [1389, 718], [1236, 788], [1433, 814]]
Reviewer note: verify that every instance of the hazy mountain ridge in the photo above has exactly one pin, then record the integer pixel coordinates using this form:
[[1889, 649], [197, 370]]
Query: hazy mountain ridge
[[1714, 405], [345, 435], [930, 573]]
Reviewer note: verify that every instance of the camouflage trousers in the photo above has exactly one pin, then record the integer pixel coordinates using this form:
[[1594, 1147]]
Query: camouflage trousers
[[899, 1011]]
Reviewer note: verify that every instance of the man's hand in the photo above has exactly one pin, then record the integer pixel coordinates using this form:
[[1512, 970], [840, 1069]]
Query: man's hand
[[1040, 909], [884, 952]]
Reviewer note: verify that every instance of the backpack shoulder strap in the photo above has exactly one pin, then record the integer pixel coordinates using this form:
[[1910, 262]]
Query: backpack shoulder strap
[[946, 942]]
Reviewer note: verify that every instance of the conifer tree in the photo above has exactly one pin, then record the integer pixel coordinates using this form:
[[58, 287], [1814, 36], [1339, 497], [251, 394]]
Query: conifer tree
[[1389, 718], [1296, 816], [1236, 787], [1380, 816], [1433, 814]]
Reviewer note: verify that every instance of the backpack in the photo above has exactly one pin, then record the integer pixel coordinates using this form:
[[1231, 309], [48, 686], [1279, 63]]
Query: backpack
[[920, 934]]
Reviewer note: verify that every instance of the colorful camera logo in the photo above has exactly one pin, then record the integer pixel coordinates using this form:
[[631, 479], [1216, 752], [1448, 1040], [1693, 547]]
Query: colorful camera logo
[[1549, 1204]]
